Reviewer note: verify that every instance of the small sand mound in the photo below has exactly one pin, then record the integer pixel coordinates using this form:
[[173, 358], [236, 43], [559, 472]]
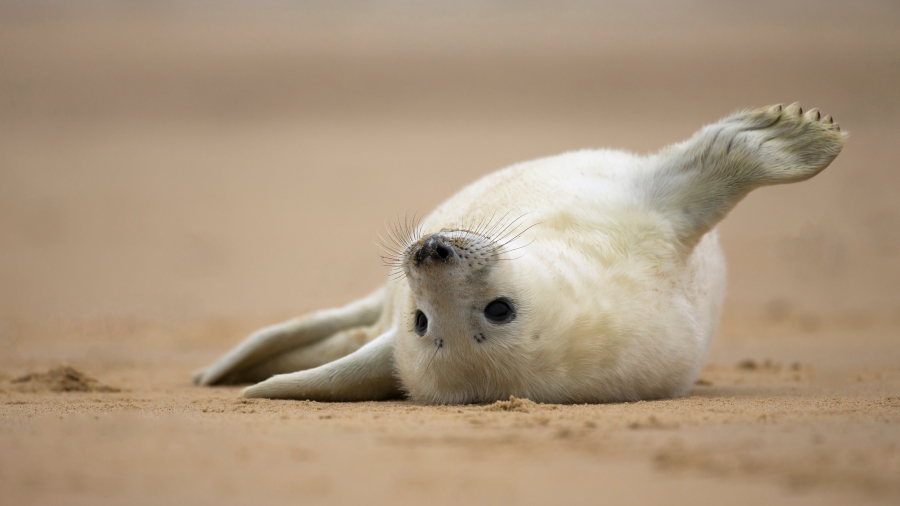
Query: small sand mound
[[748, 365], [60, 379], [513, 404]]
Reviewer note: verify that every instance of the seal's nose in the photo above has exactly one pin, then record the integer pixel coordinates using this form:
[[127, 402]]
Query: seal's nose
[[434, 248]]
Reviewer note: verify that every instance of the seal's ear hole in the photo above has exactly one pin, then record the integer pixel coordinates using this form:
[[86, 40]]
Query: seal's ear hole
[[421, 324], [500, 311]]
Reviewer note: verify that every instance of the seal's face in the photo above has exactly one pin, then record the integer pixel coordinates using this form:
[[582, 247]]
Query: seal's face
[[463, 316]]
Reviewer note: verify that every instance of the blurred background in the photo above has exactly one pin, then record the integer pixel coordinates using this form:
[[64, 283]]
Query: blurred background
[[178, 162]]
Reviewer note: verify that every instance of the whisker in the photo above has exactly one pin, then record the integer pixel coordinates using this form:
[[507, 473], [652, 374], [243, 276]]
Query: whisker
[[519, 234], [490, 232], [398, 236], [436, 350], [484, 220], [510, 228], [504, 251]]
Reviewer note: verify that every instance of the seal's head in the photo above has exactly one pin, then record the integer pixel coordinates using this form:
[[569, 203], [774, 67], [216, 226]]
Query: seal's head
[[463, 315]]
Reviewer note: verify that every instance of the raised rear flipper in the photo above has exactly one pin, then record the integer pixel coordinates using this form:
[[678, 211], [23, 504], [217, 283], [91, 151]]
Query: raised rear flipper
[[695, 183]]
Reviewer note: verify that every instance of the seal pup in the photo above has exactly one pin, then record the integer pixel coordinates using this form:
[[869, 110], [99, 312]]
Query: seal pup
[[592, 276]]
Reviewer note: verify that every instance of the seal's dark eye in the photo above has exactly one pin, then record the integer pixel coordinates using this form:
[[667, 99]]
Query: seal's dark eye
[[499, 311], [421, 323]]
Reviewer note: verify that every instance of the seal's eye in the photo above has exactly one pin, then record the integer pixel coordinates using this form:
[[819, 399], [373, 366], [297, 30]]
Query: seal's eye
[[421, 323], [499, 311]]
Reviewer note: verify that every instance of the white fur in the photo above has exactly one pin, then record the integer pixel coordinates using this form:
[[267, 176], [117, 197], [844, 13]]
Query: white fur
[[615, 272]]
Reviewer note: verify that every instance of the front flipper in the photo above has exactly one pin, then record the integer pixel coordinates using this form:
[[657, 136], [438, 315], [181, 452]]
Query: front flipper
[[269, 342], [364, 375]]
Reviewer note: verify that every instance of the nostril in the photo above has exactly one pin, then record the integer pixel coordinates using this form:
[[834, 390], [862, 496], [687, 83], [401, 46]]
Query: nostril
[[442, 252]]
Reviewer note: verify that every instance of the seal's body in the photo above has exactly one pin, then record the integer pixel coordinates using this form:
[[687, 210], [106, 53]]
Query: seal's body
[[591, 276]]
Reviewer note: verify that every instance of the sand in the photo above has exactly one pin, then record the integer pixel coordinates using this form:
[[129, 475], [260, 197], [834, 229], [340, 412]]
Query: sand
[[174, 176]]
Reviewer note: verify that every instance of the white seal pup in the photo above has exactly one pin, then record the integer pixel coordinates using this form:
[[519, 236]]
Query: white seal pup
[[592, 276]]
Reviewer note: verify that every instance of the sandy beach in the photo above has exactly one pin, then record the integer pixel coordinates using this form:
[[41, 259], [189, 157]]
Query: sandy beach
[[174, 176]]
